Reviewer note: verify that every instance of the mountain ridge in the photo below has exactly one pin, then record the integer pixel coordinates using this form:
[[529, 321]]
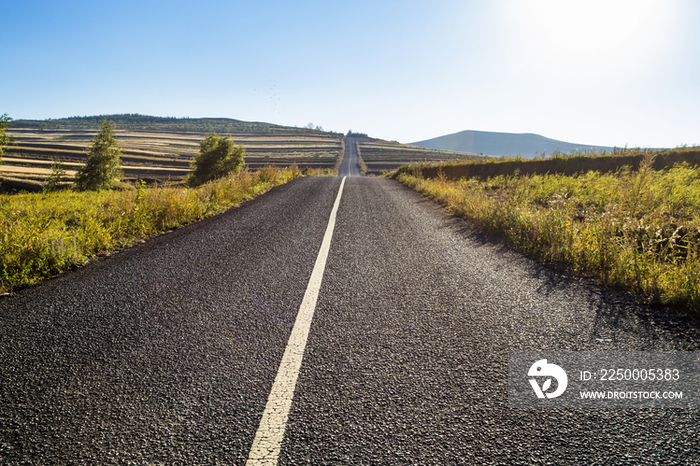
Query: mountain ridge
[[504, 144]]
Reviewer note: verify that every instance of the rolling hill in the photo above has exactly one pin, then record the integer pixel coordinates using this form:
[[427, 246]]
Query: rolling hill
[[503, 144], [161, 148]]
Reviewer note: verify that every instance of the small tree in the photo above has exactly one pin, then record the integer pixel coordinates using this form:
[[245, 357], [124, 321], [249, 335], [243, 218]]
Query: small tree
[[5, 139], [103, 165], [55, 179], [218, 156]]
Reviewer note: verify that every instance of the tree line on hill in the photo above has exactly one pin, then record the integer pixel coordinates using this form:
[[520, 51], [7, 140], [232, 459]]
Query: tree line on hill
[[353, 134], [135, 121]]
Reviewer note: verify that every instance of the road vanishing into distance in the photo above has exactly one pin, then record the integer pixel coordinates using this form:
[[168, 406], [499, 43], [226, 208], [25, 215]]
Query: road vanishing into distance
[[170, 352], [351, 160]]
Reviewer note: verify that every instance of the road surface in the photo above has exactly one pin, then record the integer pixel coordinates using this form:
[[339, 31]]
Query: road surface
[[166, 353], [351, 161]]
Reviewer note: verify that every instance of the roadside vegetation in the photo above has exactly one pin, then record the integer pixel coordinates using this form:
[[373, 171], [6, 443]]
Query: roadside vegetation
[[360, 161], [636, 228], [43, 234]]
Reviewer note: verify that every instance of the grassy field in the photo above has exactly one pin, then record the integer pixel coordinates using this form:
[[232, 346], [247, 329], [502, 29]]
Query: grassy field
[[632, 225], [44, 234]]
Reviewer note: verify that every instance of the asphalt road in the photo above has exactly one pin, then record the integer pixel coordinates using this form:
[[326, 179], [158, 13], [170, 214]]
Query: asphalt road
[[166, 353], [350, 165]]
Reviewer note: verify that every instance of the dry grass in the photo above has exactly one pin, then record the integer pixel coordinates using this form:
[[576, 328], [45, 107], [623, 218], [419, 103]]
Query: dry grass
[[556, 163], [634, 229], [44, 234]]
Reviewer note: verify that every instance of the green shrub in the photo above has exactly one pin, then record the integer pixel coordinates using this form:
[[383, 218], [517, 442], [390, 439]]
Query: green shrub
[[103, 165], [218, 157]]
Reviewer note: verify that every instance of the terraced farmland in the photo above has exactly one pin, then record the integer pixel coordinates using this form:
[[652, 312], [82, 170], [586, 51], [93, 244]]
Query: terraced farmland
[[158, 155], [380, 155], [160, 149]]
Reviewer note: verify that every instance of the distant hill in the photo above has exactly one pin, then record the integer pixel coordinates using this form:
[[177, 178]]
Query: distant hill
[[503, 144], [137, 122]]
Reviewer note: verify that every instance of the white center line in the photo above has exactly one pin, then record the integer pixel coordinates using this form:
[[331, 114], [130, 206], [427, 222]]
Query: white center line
[[268, 438]]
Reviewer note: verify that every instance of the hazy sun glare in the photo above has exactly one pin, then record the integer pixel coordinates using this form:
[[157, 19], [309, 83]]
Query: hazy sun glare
[[594, 32]]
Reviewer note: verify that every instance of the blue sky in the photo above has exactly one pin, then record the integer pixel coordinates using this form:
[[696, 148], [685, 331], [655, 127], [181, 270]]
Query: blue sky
[[604, 72]]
